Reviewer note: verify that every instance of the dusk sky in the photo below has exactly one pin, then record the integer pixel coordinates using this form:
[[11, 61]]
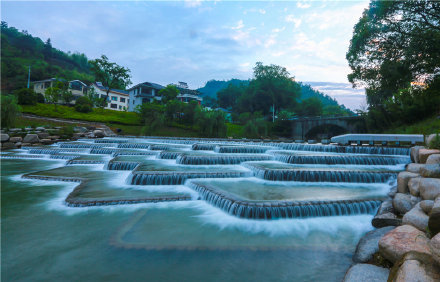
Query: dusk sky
[[196, 41]]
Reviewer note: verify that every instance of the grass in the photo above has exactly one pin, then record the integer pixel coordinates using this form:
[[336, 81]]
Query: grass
[[426, 127], [97, 115], [234, 130], [22, 122]]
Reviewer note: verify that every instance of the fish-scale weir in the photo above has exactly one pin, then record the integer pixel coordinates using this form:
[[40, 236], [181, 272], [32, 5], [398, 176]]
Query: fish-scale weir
[[282, 209], [241, 149], [219, 159], [176, 178], [204, 146], [134, 146], [339, 159], [122, 165]]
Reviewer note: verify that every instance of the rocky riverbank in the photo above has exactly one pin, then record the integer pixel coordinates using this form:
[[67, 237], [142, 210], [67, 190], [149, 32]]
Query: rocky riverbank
[[406, 244]]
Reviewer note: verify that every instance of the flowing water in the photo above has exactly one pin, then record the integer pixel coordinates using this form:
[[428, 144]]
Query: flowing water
[[189, 209]]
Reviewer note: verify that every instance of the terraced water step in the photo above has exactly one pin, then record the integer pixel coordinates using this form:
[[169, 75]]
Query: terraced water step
[[204, 146], [220, 159], [242, 149], [82, 145], [282, 209], [298, 158], [178, 177]]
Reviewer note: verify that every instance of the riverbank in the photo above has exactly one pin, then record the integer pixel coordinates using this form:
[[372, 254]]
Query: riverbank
[[406, 244]]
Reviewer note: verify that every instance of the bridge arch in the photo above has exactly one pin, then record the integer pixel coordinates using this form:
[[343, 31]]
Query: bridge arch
[[325, 131]]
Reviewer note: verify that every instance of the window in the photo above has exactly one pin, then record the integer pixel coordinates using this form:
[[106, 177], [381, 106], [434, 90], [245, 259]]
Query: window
[[133, 102], [120, 107], [113, 106], [122, 100], [114, 98]]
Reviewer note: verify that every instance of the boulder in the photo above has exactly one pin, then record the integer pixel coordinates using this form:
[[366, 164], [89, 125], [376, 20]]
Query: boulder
[[413, 186], [425, 153], [433, 159], [416, 217], [434, 244], [434, 218], [15, 130], [46, 141], [414, 153], [402, 203], [8, 145], [15, 139], [80, 129], [429, 188], [369, 244], [426, 206], [430, 138], [403, 179], [31, 138], [4, 137], [40, 128], [25, 144], [392, 192], [417, 267], [98, 133], [311, 141], [401, 240], [366, 272], [386, 219], [43, 135], [54, 137], [28, 129], [415, 168], [385, 207], [430, 170]]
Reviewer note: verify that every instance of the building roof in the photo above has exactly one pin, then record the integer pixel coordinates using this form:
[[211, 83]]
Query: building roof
[[148, 84], [49, 80], [188, 91], [79, 82], [116, 91]]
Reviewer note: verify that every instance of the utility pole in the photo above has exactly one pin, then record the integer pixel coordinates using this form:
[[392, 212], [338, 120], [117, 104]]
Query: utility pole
[[29, 77], [273, 113]]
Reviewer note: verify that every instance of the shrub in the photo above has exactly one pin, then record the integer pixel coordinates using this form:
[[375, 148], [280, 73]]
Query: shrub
[[9, 111], [435, 143], [26, 96], [83, 105], [66, 132], [40, 98]]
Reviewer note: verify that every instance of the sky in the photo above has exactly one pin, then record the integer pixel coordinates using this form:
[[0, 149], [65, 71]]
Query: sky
[[196, 41]]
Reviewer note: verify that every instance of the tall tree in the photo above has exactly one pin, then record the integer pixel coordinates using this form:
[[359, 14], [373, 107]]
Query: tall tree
[[110, 74], [168, 93]]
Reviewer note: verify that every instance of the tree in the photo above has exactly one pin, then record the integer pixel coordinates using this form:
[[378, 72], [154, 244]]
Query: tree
[[52, 95], [10, 111], [111, 75], [227, 97], [65, 94], [94, 98], [310, 107], [26, 96], [83, 105], [168, 93]]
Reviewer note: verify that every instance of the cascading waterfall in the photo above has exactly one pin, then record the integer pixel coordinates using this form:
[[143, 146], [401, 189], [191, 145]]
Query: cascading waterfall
[[241, 149], [81, 145], [169, 155], [283, 209], [176, 178], [122, 165], [339, 159], [134, 146], [111, 141], [219, 159], [204, 146], [52, 151], [103, 151]]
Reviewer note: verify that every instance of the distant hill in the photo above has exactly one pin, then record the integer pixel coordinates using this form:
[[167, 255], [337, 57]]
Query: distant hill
[[213, 86], [19, 50]]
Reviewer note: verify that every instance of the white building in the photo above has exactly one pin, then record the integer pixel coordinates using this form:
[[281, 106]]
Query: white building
[[142, 93], [77, 87], [118, 100]]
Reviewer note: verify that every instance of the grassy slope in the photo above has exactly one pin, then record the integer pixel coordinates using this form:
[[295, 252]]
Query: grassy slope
[[427, 126]]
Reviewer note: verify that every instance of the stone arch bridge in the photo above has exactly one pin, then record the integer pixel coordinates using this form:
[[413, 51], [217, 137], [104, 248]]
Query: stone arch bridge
[[326, 127]]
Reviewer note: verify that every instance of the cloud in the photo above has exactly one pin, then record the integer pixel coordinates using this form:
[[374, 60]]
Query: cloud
[[239, 25], [262, 11], [292, 19], [277, 30], [193, 3], [303, 5]]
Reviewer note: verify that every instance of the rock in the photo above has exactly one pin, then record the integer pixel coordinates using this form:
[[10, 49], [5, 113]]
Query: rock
[[417, 267], [414, 153], [429, 188], [413, 186], [385, 207], [25, 144], [325, 141], [15, 130], [8, 145], [434, 244], [18, 144], [366, 272], [415, 168], [386, 219], [430, 170], [403, 179], [434, 218], [31, 138], [433, 159], [430, 138], [392, 192], [402, 203], [46, 141], [4, 137], [401, 240], [91, 128], [425, 153], [80, 129], [311, 141], [369, 244], [40, 128], [43, 135], [98, 133], [54, 137], [417, 218], [28, 129], [15, 139], [426, 206]]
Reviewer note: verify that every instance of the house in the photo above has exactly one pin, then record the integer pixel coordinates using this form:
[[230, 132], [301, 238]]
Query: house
[[77, 87], [187, 95], [141, 93], [117, 99]]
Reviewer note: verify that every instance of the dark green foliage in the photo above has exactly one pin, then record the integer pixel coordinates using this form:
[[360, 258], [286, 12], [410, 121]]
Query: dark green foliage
[[66, 132], [211, 123], [310, 107], [83, 105], [9, 111], [40, 98], [26, 96], [227, 97], [212, 87], [19, 50], [435, 143], [255, 128], [325, 131], [168, 93]]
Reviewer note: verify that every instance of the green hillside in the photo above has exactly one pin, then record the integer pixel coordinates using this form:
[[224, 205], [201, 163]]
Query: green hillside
[[213, 86], [19, 50]]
